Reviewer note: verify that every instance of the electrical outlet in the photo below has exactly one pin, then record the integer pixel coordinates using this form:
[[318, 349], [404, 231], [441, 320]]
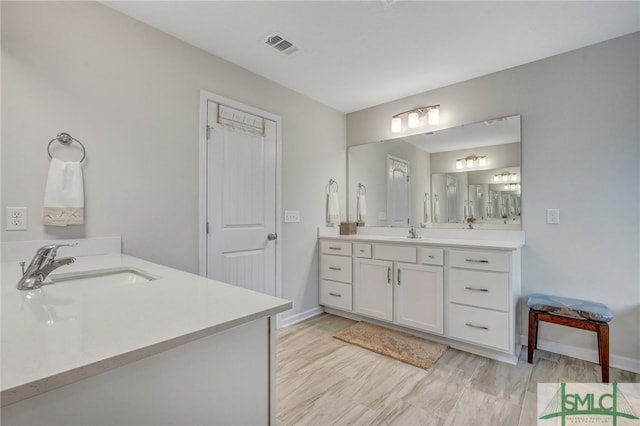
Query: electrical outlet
[[291, 216], [553, 216], [16, 218]]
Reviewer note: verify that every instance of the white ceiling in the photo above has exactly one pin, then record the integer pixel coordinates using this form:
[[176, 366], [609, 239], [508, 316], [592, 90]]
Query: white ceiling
[[358, 54]]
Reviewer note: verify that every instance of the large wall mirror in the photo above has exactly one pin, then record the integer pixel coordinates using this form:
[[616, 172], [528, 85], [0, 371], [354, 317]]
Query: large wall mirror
[[465, 176]]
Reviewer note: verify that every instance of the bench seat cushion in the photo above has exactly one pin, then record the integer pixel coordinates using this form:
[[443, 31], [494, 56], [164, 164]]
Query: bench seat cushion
[[569, 307]]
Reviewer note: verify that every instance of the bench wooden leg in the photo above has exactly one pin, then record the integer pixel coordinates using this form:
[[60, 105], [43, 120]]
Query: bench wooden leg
[[533, 335], [603, 350]]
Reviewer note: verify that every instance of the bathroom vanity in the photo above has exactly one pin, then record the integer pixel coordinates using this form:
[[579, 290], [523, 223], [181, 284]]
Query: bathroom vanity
[[459, 287], [119, 340]]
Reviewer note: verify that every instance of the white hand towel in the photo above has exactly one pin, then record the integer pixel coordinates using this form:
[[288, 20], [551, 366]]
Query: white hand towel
[[64, 194], [333, 208], [362, 207]]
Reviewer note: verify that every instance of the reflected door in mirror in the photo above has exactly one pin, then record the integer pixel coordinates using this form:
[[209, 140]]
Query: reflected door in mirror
[[398, 191]]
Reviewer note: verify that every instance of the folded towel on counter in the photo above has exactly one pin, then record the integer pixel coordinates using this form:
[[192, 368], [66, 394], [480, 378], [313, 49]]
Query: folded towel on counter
[[362, 207], [64, 194], [333, 208]]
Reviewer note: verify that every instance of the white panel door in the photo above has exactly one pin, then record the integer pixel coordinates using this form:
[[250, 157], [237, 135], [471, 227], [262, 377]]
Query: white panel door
[[241, 198]]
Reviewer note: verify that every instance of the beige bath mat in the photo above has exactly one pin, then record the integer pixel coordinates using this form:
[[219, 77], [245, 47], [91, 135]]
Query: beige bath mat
[[404, 347]]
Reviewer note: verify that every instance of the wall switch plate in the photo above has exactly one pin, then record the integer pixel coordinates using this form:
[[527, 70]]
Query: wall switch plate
[[553, 216], [291, 216], [16, 218]]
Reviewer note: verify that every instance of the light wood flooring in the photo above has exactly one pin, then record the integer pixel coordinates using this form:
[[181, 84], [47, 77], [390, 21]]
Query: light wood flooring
[[324, 381]]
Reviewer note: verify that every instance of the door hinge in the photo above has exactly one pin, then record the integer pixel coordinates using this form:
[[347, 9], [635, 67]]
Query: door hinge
[[407, 178]]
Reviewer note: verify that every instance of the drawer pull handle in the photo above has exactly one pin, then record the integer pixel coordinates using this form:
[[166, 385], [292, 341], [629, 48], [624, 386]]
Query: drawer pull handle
[[361, 251], [476, 289], [388, 275], [477, 260], [335, 248], [431, 256], [481, 327], [334, 268], [398, 276], [335, 294]]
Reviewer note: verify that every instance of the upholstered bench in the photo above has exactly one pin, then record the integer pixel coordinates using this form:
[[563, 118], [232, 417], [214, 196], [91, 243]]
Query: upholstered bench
[[575, 313]]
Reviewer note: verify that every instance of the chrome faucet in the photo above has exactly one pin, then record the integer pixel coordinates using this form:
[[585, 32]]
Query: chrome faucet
[[413, 233], [42, 264]]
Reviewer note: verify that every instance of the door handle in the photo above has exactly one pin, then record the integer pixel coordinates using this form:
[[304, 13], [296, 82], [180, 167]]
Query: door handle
[[272, 237]]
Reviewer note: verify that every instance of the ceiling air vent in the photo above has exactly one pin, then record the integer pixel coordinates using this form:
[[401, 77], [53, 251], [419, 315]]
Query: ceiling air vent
[[278, 42]]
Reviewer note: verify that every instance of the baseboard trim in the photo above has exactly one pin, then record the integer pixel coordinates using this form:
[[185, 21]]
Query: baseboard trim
[[299, 317], [591, 355]]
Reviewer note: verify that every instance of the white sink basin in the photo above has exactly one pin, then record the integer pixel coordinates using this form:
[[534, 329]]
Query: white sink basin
[[112, 276]]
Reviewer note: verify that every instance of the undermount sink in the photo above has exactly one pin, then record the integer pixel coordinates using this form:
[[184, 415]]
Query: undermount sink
[[113, 276]]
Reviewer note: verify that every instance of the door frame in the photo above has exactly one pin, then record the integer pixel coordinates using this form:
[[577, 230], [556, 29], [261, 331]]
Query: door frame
[[205, 97]]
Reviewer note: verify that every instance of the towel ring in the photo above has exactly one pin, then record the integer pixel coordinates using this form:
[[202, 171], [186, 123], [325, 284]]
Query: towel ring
[[331, 185], [66, 139]]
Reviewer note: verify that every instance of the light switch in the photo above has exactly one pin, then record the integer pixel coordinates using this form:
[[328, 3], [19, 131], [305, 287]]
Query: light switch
[[291, 216], [553, 216]]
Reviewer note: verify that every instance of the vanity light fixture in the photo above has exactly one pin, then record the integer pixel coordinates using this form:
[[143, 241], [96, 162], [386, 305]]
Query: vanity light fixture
[[505, 177], [470, 161], [413, 117]]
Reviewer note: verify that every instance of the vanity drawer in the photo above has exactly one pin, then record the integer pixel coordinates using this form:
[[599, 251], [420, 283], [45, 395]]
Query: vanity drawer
[[362, 250], [431, 256], [335, 247], [397, 253], [479, 288], [335, 268], [337, 295], [481, 326], [484, 260]]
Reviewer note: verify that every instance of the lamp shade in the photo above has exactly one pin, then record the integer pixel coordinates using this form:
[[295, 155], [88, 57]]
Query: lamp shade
[[433, 116], [396, 124], [413, 120]]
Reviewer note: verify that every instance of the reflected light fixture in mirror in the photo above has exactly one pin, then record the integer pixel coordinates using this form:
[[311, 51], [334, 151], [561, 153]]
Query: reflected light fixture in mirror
[[469, 162], [432, 112], [505, 177]]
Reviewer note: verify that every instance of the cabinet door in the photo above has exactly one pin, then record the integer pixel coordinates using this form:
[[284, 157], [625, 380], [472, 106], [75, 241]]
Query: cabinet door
[[420, 297], [374, 288]]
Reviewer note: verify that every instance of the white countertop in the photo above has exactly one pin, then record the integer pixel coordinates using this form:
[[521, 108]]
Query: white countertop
[[431, 241], [67, 331]]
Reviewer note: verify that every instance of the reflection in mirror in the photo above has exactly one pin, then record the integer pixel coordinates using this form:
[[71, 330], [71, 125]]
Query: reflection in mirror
[[462, 176]]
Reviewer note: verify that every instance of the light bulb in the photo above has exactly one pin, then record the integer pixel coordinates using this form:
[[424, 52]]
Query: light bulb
[[505, 178], [433, 116], [496, 178], [459, 164], [514, 177], [396, 124], [413, 120], [470, 162], [482, 161]]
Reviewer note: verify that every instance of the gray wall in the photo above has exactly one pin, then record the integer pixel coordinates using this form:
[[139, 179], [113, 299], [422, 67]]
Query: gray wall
[[580, 153], [131, 95]]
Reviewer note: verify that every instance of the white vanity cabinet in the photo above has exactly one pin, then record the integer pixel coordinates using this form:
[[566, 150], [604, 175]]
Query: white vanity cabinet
[[336, 274], [393, 287], [374, 288], [480, 309], [464, 292]]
